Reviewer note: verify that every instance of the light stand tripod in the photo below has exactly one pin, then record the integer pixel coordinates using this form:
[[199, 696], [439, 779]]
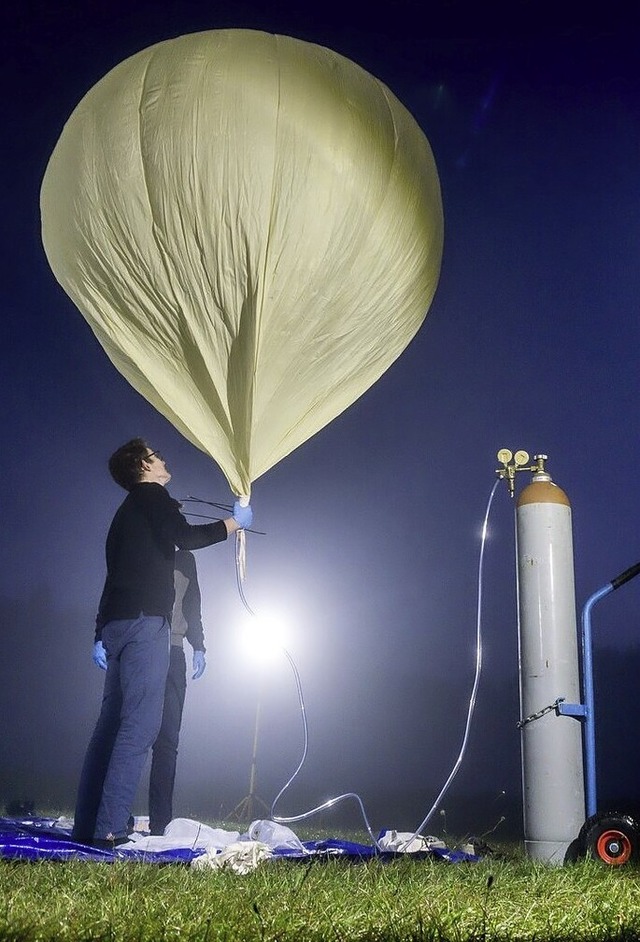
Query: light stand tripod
[[248, 809]]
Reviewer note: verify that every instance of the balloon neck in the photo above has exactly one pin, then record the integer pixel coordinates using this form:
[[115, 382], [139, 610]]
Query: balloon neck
[[243, 500]]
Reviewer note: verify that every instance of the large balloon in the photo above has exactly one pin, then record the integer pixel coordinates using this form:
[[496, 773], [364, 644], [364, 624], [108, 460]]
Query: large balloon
[[252, 227]]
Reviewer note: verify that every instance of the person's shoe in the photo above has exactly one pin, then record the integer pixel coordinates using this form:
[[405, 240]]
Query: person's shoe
[[80, 838], [108, 843]]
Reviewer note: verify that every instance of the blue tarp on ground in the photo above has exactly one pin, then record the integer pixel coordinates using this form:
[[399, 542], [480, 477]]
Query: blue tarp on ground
[[44, 839]]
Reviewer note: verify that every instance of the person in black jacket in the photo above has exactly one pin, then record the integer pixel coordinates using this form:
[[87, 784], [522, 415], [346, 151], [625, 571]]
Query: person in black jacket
[[133, 625], [186, 622]]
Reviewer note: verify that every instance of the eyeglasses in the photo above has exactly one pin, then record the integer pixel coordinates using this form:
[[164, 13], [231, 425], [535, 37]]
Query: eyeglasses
[[154, 454]]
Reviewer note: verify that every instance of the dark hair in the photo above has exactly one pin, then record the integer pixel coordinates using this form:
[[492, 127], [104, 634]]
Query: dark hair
[[125, 464]]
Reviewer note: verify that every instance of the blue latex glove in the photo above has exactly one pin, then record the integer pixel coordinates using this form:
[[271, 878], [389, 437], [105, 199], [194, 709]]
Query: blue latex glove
[[243, 516], [199, 664], [100, 655]]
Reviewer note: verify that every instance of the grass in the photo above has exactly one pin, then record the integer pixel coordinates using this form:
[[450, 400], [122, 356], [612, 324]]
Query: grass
[[507, 898]]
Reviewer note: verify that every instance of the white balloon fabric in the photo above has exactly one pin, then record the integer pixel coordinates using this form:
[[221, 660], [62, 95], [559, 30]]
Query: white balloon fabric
[[252, 227]]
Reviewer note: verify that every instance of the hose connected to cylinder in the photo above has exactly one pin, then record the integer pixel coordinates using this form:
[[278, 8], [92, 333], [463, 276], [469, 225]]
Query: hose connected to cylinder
[[476, 677]]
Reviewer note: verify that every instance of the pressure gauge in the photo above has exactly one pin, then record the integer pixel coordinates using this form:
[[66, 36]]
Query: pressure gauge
[[504, 456], [521, 458]]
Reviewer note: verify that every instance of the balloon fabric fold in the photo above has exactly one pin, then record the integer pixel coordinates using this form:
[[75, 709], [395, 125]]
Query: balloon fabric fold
[[252, 227]]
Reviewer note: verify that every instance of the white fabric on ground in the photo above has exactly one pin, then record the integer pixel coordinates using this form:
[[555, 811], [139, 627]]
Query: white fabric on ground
[[221, 848], [406, 842], [274, 835], [241, 857], [183, 832]]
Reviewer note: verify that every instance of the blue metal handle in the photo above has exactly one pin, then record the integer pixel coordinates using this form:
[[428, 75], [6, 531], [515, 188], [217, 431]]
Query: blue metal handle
[[589, 698], [587, 678]]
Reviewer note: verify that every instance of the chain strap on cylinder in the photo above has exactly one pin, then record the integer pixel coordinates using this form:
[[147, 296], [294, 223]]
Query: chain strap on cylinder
[[536, 716]]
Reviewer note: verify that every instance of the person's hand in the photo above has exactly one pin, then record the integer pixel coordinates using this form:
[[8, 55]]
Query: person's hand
[[243, 516], [100, 655], [199, 664]]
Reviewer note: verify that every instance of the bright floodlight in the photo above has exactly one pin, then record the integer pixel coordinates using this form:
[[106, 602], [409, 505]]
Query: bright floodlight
[[263, 635]]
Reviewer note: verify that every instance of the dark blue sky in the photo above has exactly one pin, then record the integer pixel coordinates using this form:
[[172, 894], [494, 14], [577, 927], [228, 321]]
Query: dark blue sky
[[373, 525]]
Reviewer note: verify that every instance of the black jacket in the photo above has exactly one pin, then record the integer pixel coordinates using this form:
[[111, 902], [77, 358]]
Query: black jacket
[[140, 552]]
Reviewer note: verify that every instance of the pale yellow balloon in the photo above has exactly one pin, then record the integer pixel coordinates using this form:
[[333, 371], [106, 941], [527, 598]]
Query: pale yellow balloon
[[252, 227]]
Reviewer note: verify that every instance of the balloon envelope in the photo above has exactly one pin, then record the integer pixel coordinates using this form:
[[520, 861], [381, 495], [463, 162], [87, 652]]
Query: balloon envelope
[[252, 226]]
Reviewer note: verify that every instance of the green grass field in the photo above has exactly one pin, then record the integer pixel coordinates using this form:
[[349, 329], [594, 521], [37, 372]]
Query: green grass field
[[505, 897]]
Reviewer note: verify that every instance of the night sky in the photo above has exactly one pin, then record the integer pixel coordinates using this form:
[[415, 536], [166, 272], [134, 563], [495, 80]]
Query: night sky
[[373, 526]]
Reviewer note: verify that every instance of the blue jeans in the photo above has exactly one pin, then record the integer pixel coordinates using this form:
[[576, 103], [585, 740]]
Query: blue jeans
[[130, 716], [164, 754]]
